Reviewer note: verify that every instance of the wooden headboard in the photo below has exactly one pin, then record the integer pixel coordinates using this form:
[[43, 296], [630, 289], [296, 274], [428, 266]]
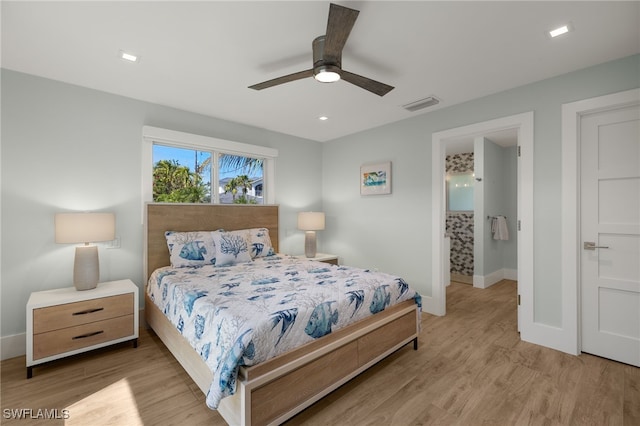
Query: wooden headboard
[[161, 217]]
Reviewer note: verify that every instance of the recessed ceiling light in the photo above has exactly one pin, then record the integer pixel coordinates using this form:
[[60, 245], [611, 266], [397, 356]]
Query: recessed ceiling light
[[323, 118], [128, 56], [559, 31]]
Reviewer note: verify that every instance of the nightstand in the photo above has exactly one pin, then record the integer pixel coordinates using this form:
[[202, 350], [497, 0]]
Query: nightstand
[[321, 257], [64, 322]]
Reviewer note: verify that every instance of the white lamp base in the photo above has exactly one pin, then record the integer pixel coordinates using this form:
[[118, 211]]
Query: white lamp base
[[310, 243], [86, 269]]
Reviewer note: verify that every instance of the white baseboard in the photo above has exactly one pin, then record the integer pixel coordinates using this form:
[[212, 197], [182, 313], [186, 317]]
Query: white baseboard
[[550, 337], [510, 274], [480, 281], [430, 305], [13, 346]]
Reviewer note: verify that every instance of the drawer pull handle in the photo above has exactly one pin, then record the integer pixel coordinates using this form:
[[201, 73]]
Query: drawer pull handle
[[83, 336], [88, 311]]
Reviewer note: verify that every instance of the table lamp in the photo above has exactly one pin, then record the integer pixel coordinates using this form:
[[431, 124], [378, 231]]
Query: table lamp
[[85, 228], [310, 222]]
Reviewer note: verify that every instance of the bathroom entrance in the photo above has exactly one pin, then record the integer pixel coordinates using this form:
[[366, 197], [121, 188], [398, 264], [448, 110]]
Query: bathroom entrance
[[481, 208], [522, 126]]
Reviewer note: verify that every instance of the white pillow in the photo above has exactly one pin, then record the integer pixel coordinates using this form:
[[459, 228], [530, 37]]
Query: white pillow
[[232, 247], [194, 248], [260, 243]]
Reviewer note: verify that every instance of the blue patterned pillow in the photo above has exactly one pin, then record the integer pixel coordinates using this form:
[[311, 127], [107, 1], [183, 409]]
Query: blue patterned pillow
[[260, 243], [232, 247], [194, 248]]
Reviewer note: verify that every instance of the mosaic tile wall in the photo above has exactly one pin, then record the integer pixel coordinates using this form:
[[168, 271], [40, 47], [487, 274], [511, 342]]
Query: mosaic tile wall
[[459, 226], [460, 230], [459, 163]]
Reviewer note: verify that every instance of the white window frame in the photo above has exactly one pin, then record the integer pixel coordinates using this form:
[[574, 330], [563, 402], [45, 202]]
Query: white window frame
[[151, 135]]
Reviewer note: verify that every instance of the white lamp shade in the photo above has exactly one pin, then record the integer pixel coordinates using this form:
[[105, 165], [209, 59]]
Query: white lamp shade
[[84, 227], [311, 221]]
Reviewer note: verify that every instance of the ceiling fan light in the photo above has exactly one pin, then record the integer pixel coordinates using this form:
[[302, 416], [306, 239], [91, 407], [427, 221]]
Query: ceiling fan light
[[326, 74]]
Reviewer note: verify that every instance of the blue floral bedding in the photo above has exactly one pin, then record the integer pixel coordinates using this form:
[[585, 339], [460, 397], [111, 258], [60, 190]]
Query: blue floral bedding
[[244, 314]]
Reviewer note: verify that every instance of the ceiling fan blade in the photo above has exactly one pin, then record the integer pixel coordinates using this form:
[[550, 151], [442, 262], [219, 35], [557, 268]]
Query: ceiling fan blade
[[339, 25], [284, 79], [372, 86]]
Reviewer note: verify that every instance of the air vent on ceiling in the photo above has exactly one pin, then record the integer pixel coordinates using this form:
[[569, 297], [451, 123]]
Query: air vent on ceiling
[[422, 103]]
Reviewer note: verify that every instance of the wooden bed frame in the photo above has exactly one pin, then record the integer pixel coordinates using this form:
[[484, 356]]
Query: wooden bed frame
[[276, 390]]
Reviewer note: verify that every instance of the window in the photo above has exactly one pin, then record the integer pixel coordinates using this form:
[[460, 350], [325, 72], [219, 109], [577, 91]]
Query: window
[[238, 179], [181, 175], [460, 191], [184, 168]]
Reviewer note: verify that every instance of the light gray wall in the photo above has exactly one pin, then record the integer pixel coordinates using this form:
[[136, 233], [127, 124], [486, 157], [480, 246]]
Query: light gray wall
[[393, 233], [494, 201], [69, 148], [499, 197]]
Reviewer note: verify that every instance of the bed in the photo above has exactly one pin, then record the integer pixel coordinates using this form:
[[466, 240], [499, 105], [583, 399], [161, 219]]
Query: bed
[[274, 389]]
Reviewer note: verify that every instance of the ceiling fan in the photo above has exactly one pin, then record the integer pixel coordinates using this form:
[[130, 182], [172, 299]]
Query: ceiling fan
[[327, 56]]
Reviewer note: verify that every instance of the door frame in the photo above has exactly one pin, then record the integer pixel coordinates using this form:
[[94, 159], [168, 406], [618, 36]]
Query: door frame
[[571, 116], [524, 123]]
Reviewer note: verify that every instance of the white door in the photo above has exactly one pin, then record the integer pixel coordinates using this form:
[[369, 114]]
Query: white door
[[610, 231]]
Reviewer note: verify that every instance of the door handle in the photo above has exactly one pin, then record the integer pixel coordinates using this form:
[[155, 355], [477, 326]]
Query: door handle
[[588, 245]]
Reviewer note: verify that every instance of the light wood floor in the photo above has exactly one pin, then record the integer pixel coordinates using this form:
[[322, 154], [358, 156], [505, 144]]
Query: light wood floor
[[471, 369]]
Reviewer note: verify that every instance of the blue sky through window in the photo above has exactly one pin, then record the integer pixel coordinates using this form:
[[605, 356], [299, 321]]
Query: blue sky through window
[[188, 157]]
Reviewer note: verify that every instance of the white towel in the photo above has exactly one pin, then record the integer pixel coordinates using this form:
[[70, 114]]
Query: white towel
[[499, 228]]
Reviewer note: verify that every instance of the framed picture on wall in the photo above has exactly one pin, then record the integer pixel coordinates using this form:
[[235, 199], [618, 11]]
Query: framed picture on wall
[[375, 179]]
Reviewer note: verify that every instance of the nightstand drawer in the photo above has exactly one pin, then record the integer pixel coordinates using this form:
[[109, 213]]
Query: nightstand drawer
[[78, 313], [81, 336]]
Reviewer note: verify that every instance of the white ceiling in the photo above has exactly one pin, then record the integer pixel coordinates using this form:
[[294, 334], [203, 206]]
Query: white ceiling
[[201, 56]]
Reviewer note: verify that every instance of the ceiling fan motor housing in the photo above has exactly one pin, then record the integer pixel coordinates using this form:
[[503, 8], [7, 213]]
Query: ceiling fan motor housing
[[320, 63]]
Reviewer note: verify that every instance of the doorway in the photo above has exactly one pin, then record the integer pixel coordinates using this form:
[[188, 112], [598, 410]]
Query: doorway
[[523, 124], [481, 207]]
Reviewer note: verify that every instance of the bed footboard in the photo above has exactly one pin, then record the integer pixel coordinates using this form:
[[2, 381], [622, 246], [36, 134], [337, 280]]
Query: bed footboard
[[276, 390]]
